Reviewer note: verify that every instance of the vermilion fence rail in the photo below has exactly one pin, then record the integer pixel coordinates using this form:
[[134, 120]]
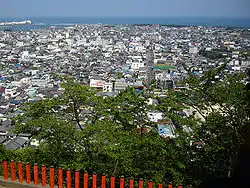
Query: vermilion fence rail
[[47, 177]]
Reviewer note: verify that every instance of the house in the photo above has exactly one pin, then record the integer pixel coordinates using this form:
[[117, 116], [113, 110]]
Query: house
[[3, 131], [3, 139], [193, 50], [25, 55], [108, 87], [4, 127], [3, 111], [154, 116], [16, 143], [96, 83], [137, 64], [107, 94], [166, 128], [11, 92], [120, 84], [6, 123]]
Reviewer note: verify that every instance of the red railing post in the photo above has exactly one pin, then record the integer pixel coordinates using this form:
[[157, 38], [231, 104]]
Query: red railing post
[[122, 183], [112, 182], [28, 174], [20, 171], [159, 185], [68, 178], [13, 170], [85, 179], [44, 175], [94, 179], [103, 181], [170, 185], [77, 179], [131, 183], [52, 177], [5, 170], [35, 174], [180, 186], [140, 183], [60, 178], [150, 184]]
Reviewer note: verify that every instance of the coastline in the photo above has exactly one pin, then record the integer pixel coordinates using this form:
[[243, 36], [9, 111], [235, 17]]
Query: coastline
[[24, 22], [44, 23]]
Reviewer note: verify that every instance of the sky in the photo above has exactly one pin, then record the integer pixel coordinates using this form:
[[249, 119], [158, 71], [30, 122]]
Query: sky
[[125, 8]]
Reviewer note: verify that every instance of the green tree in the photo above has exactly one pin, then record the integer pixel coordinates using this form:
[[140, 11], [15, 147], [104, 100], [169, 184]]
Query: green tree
[[119, 75], [107, 140], [129, 109], [210, 149]]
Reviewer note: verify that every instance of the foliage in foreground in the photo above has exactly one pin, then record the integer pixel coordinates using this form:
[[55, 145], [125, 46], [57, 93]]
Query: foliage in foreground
[[79, 130]]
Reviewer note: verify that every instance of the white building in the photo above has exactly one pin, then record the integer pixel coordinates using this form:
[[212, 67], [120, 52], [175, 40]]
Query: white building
[[193, 50], [11, 92], [69, 42], [39, 82], [25, 55], [120, 85], [136, 65], [162, 76], [108, 87], [16, 83], [154, 116], [19, 44], [67, 35], [96, 83]]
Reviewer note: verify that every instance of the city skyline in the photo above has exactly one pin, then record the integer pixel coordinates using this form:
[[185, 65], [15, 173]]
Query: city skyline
[[128, 8]]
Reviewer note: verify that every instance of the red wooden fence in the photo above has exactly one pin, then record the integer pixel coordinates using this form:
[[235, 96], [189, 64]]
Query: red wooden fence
[[9, 171]]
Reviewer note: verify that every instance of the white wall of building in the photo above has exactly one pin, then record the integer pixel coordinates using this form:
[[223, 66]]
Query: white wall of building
[[96, 83], [108, 87], [154, 116]]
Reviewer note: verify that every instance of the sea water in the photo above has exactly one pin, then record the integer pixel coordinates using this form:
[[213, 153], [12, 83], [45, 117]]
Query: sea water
[[42, 23]]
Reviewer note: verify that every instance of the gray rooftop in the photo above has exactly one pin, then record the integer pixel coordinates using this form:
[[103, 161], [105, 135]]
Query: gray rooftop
[[2, 139], [12, 145], [16, 143]]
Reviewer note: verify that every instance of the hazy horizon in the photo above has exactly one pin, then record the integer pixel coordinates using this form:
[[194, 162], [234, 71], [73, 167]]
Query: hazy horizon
[[161, 17], [232, 9]]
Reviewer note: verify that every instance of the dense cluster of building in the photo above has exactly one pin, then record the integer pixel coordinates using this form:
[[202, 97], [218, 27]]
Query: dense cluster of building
[[109, 58]]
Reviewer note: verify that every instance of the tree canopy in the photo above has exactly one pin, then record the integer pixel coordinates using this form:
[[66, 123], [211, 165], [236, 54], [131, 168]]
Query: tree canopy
[[80, 130]]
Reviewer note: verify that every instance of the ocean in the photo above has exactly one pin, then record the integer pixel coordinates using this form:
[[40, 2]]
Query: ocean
[[42, 23]]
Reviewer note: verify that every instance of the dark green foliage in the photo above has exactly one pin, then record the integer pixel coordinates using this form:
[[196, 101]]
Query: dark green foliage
[[223, 107], [107, 139], [119, 75], [214, 54]]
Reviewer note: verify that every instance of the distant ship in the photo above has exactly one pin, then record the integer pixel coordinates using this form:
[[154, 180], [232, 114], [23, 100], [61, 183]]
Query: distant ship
[[25, 22]]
